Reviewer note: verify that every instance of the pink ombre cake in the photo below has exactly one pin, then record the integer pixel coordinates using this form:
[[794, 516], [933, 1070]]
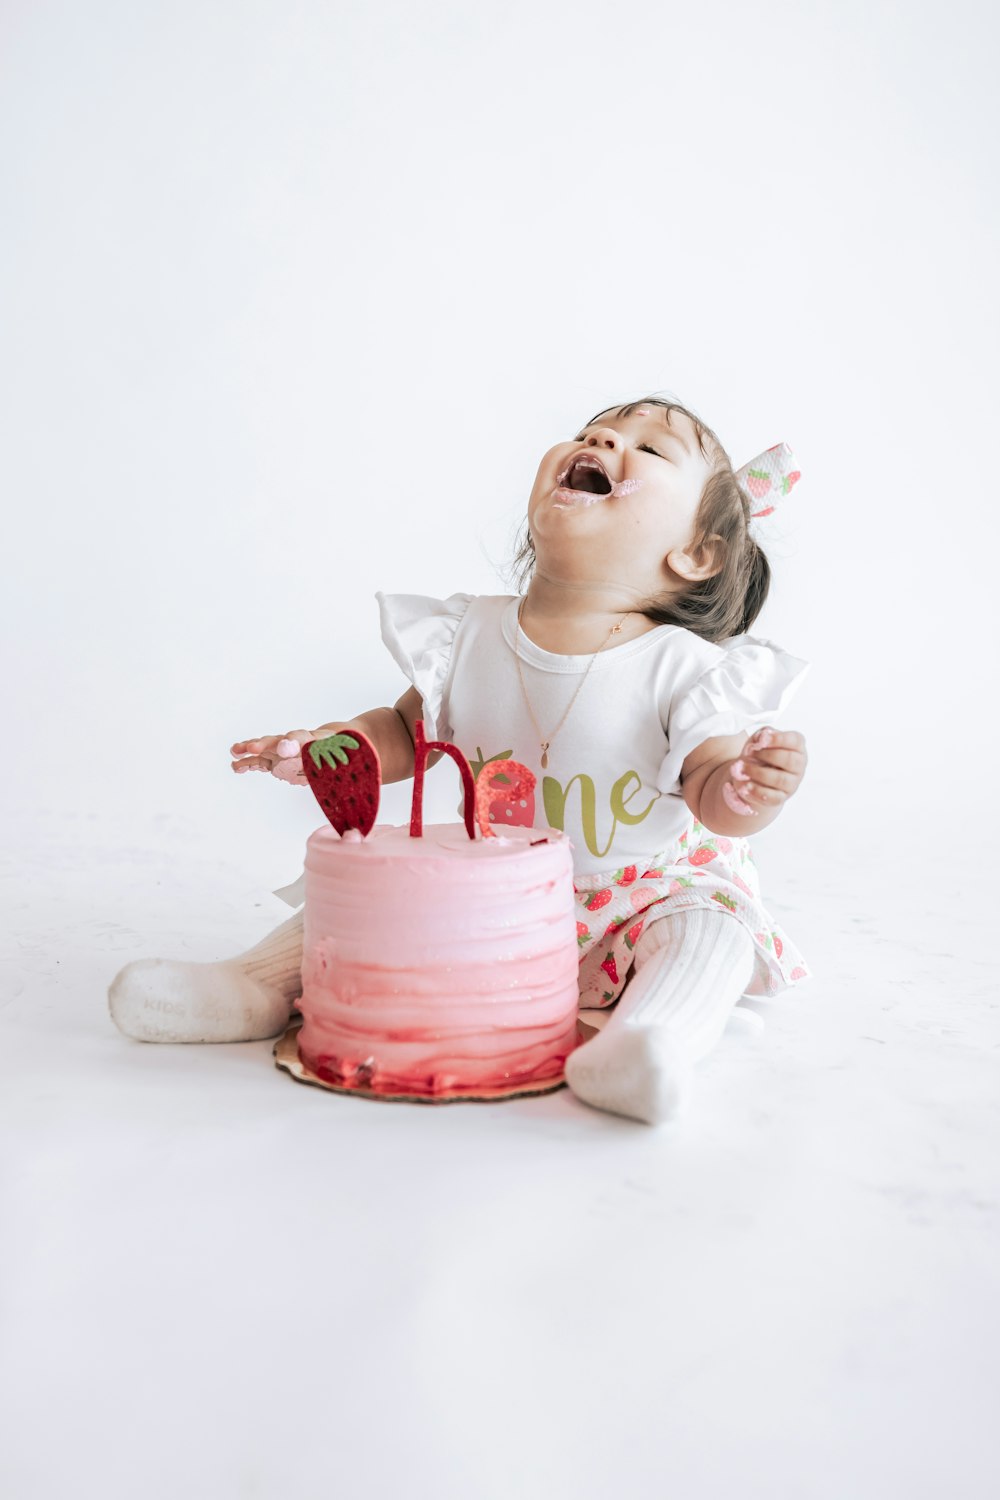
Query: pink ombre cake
[[441, 964]]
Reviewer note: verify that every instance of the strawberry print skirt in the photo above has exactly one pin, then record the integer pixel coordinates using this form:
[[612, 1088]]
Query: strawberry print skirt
[[701, 869]]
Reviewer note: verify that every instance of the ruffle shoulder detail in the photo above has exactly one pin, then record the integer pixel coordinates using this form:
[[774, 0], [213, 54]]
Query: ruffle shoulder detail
[[419, 632], [748, 685]]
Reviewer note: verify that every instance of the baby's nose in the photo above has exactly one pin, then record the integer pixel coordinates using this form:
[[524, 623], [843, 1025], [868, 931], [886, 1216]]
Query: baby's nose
[[603, 437]]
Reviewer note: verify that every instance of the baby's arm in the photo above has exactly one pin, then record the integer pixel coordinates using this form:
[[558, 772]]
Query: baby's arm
[[736, 786], [390, 730]]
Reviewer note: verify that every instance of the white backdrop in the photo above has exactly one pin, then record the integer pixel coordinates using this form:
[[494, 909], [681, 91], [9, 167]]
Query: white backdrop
[[293, 297], [296, 295]]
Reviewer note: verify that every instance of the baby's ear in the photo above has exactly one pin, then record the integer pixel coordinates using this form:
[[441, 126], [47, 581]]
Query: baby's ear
[[703, 560]]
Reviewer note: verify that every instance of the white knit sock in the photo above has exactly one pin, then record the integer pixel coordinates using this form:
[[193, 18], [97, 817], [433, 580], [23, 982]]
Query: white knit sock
[[690, 970], [241, 999]]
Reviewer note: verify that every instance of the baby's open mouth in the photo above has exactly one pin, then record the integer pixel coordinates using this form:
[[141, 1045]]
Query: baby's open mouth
[[585, 476], [585, 481]]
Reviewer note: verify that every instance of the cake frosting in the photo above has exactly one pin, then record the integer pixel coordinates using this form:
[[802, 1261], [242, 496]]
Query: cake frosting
[[441, 963]]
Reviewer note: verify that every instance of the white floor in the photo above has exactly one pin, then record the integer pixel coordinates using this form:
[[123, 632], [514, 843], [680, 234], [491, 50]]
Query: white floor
[[217, 1282]]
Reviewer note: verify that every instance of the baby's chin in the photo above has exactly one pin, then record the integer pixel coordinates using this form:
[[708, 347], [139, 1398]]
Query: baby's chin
[[558, 505], [580, 540]]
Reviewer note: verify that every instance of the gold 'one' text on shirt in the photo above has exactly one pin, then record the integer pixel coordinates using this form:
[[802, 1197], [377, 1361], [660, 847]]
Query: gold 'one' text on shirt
[[623, 792]]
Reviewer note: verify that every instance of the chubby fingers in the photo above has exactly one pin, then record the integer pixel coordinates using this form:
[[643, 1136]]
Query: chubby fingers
[[251, 755], [791, 761], [780, 750], [253, 763], [766, 788], [746, 794], [768, 743], [769, 770], [264, 753], [759, 774]]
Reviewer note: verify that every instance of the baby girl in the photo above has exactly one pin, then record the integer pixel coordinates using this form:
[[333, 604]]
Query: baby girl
[[623, 675]]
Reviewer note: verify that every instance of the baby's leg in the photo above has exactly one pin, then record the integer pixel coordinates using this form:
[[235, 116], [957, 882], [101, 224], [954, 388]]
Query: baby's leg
[[241, 999], [690, 970]]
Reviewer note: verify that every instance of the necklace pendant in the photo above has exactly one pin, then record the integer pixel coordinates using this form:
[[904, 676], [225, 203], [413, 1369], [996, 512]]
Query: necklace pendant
[[545, 757]]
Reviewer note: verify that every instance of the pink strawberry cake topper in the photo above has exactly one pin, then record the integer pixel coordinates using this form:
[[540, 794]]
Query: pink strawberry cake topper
[[767, 479], [514, 803], [517, 784], [345, 775]]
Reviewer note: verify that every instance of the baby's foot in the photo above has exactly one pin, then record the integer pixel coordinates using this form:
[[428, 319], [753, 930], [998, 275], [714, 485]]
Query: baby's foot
[[159, 1000], [639, 1071]]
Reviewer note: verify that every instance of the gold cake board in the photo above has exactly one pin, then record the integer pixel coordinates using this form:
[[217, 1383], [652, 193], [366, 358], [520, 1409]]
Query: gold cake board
[[286, 1057]]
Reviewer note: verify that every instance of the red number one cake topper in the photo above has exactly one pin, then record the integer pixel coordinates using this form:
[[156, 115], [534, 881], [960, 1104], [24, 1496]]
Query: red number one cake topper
[[478, 796]]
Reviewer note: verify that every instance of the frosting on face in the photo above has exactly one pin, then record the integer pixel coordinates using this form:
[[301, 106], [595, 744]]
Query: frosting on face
[[561, 496], [615, 507]]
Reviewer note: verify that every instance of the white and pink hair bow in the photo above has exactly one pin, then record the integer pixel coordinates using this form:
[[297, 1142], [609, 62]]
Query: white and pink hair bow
[[767, 479]]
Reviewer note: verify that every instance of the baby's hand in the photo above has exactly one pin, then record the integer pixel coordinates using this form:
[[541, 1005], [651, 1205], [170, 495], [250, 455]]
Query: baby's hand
[[281, 754], [768, 772]]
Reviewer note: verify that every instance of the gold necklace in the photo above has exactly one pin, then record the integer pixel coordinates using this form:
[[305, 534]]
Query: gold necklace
[[545, 743]]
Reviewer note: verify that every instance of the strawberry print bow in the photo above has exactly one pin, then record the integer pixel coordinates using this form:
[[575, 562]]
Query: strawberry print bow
[[767, 479]]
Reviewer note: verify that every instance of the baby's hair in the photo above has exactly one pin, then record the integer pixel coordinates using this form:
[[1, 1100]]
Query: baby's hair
[[727, 603]]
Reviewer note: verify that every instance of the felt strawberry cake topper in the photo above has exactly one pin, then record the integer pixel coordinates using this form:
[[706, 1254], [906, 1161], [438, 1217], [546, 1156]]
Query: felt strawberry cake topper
[[767, 479], [345, 775]]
